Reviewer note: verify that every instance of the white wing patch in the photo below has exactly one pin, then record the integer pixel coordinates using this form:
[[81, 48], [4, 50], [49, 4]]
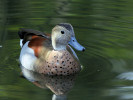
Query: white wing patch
[[21, 44], [27, 57]]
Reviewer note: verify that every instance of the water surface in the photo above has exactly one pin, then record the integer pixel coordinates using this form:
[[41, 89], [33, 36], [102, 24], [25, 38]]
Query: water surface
[[104, 27]]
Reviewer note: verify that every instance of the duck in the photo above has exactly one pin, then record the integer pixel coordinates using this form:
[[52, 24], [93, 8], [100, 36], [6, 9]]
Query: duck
[[50, 54]]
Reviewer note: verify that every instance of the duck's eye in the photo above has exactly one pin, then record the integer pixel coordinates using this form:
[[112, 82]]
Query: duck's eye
[[62, 32]]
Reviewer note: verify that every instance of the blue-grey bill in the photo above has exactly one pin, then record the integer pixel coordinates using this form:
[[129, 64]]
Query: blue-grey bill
[[74, 43]]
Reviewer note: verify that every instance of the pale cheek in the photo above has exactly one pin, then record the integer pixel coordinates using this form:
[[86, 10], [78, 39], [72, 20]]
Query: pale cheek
[[67, 38]]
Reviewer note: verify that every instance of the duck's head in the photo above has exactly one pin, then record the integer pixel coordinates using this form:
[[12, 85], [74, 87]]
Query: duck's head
[[62, 35]]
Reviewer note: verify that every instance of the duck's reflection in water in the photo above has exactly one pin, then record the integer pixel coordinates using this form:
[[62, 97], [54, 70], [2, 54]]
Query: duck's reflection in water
[[59, 85]]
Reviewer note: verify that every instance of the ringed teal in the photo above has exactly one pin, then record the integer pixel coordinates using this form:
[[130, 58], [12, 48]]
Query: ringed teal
[[47, 54]]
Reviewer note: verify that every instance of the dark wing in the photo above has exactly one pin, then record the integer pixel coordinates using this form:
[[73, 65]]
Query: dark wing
[[23, 32], [26, 34]]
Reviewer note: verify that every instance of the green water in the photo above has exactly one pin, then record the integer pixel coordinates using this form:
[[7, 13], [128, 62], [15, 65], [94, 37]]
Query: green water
[[103, 27]]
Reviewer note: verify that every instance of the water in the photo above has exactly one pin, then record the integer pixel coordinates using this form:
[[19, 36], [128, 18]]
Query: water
[[104, 27]]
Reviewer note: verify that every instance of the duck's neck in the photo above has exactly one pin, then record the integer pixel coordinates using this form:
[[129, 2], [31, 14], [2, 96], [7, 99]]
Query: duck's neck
[[58, 46]]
